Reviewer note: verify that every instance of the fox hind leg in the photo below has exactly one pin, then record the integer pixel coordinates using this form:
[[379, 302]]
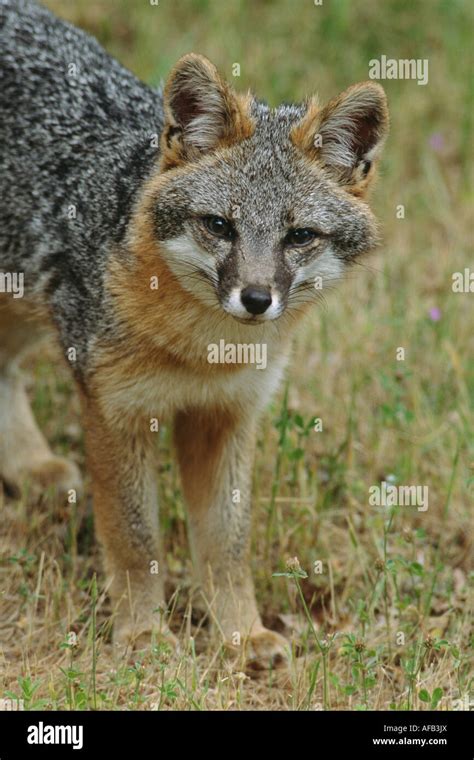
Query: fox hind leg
[[26, 459]]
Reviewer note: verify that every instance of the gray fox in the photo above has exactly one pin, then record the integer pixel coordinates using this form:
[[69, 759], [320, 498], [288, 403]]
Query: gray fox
[[146, 226]]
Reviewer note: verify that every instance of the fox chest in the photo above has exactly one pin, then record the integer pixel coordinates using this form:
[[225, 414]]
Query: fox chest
[[165, 391]]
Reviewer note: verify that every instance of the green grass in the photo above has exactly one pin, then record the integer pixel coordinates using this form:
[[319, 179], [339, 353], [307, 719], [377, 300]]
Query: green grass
[[385, 624]]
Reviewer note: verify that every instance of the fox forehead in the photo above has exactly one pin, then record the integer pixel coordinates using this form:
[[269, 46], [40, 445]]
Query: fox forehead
[[264, 177]]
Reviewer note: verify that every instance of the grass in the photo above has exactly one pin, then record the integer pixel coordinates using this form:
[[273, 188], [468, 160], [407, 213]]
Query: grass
[[377, 603]]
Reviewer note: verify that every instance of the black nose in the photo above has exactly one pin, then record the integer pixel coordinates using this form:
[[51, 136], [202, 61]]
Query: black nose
[[256, 300]]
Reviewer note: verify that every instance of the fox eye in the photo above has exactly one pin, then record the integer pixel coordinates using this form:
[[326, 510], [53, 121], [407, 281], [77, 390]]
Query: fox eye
[[300, 236], [219, 227]]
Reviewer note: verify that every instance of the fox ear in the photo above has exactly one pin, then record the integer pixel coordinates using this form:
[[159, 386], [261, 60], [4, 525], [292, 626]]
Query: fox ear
[[347, 135], [202, 112]]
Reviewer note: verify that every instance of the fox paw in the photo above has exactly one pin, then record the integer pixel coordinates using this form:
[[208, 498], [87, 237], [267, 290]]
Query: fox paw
[[53, 474], [136, 638], [264, 650]]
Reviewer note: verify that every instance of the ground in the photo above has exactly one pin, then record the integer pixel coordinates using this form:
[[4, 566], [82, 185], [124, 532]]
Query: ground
[[382, 619]]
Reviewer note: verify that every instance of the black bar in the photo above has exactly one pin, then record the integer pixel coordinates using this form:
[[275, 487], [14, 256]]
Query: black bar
[[312, 734]]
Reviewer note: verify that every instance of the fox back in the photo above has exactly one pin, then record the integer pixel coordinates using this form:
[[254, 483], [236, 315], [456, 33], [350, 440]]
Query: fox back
[[75, 146]]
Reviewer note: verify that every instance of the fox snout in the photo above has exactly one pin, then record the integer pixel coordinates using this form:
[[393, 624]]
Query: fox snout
[[253, 303], [256, 300]]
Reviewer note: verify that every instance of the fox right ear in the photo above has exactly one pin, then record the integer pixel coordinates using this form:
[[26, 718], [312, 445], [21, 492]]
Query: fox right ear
[[202, 112]]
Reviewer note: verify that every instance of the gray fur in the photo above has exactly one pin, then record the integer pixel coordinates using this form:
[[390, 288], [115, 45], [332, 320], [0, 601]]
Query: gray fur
[[84, 140]]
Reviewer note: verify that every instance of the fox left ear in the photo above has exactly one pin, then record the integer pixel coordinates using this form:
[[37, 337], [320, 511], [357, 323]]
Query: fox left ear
[[347, 135], [202, 112]]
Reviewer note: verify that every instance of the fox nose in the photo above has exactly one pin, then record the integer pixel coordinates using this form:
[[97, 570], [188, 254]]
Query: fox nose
[[256, 300]]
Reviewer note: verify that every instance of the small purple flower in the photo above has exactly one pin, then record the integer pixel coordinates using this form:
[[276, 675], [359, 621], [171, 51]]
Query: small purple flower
[[435, 314], [436, 142]]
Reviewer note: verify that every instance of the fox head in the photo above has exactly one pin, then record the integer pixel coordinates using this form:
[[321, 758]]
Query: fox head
[[258, 208]]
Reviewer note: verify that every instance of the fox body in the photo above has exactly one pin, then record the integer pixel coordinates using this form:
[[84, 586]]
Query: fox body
[[150, 225]]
